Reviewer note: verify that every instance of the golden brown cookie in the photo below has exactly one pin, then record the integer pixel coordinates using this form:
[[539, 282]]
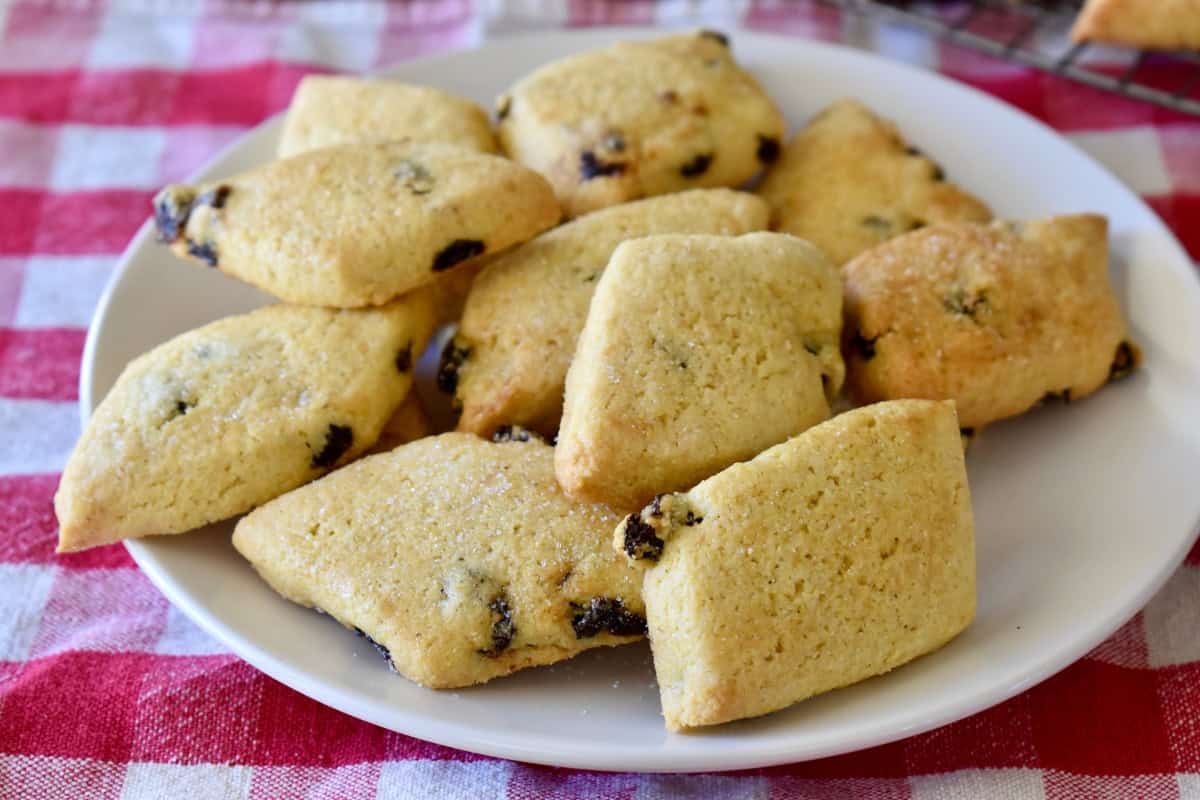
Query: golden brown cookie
[[1148, 24]]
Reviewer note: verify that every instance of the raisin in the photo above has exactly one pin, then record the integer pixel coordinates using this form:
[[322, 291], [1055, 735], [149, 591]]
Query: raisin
[[966, 433], [1063, 397], [913, 151], [697, 166], [877, 224], [716, 36], [503, 106], [214, 197], [457, 252], [615, 142], [1124, 361], [453, 357], [503, 629], [691, 519], [414, 177], [640, 540], [205, 251], [514, 433], [171, 209], [592, 167], [338, 439], [863, 346], [669, 96], [404, 359], [939, 174], [959, 302], [768, 149], [383, 651], [606, 614], [814, 349]]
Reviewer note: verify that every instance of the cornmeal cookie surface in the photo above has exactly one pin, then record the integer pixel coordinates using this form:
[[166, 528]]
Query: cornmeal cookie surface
[[838, 555], [526, 309], [849, 181], [460, 558], [1150, 24], [330, 109], [996, 317], [223, 418], [358, 224], [698, 351], [641, 118]]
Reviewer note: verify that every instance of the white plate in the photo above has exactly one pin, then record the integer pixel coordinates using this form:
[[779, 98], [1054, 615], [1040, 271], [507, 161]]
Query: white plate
[[1082, 511]]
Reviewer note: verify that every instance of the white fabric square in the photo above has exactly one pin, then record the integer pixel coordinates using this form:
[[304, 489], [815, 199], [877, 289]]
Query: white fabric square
[[110, 610], [26, 587], [91, 157], [62, 291], [968, 784], [182, 637], [1133, 154], [210, 781], [1172, 620], [700, 787], [1189, 785], [345, 47], [469, 780], [126, 40], [48, 431], [28, 777]]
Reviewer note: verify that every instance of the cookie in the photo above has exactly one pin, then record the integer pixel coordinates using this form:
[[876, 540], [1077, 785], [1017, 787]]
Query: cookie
[[223, 418], [836, 556], [698, 351], [526, 310], [1146, 24], [356, 225], [459, 558], [996, 317], [331, 109], [641, 118], [849, 181], [409, 423]]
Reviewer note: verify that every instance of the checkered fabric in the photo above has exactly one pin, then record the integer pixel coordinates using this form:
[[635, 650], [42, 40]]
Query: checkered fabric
[[106, 691]]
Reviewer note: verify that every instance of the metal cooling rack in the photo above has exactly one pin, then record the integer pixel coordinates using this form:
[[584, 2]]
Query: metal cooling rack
[[1036, 34]]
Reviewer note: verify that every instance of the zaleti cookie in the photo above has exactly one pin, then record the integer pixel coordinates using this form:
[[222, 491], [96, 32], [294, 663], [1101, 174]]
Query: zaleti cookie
[[995, 317], [698, 351], [409, 423], [838, 555], [527, 308], [1150, 24], [459, 558], [641, 118], [223, 418], [358, 224], [333, 109], [849, 181]]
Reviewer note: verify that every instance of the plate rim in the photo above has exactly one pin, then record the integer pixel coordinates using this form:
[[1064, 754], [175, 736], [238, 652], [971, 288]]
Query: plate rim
[[891, 728]]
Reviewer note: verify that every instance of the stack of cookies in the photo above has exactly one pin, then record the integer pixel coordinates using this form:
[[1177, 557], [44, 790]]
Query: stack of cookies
[[645, 370]]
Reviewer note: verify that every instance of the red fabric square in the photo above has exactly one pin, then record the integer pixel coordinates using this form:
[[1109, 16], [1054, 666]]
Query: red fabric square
[[125, 97], [76, 223], [80, 705], [789, 788], [27, 518], [1181, 212], [20, 211], [229, 96], [37, 96], [197, 710], [1193, 556], [998, 737], [1097, 719], [398, 747], [294, 730], [601, 12], [40, 364], [885, 761]]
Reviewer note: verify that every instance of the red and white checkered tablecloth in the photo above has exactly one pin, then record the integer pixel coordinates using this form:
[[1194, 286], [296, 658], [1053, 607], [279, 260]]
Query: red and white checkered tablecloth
[[107, 691]]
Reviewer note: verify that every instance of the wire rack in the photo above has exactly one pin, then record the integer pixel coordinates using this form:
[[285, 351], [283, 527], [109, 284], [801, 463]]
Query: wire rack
[[1036, 34]]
